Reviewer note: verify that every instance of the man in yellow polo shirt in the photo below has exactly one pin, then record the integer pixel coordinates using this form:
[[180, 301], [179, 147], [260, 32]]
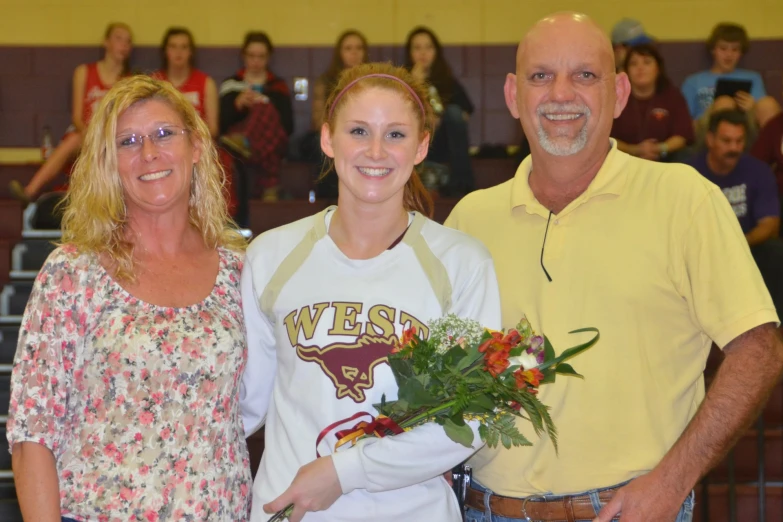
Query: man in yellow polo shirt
[[650, 254]]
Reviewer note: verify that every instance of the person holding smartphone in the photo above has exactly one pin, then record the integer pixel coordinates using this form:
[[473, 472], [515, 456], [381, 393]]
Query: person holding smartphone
[[727, 43]]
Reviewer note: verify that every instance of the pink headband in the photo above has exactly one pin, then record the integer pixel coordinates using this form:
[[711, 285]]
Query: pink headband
[[377, 75]]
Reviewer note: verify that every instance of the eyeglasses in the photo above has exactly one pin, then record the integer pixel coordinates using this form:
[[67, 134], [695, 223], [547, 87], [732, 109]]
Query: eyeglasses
[[162, 137]]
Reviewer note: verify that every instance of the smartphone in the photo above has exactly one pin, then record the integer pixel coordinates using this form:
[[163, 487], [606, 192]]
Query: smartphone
[[730, 87]]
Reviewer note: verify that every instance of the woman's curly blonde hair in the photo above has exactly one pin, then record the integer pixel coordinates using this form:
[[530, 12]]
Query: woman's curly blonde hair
[[95, 215]]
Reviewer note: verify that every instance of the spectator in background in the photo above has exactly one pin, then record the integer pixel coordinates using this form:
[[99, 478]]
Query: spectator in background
[[256, 116], [655, 124], [178, 53], [625, 34], [750, 187], [349, 51], [91, 82], [728, 43], [769, 148], [424, 59]]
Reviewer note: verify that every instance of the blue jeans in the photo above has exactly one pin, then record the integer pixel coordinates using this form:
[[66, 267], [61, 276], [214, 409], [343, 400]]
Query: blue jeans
[[474, 515]]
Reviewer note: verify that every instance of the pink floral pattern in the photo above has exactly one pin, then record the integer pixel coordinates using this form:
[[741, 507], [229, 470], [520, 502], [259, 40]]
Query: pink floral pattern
[[138, 403]]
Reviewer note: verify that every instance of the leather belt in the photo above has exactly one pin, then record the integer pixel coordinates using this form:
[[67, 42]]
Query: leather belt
[[537, 508]]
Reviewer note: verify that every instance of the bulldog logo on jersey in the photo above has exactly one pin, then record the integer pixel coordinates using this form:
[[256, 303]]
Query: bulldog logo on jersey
[[350, 365]]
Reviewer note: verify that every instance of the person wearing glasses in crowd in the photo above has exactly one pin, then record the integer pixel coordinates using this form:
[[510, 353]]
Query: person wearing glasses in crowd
[[126, 376], [649, 253], [91, 82], [178, 52]]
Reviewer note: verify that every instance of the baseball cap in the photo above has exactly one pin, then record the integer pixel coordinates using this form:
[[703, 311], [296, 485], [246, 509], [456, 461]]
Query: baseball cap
[[630, 32]]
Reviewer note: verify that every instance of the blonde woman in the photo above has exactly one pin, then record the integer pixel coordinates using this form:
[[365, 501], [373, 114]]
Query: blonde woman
[[127, 370]]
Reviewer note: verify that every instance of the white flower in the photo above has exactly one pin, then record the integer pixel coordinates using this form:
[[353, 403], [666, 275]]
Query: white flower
[[526, 360], [450, 330]]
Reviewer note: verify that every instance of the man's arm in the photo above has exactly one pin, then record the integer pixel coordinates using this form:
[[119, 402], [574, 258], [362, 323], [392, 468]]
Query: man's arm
[[765, 229], [751, 369]]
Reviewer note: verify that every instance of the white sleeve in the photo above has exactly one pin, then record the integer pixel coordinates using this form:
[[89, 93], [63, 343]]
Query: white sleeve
[[255, 391], [426, 451], [401, 460], [478, 296]]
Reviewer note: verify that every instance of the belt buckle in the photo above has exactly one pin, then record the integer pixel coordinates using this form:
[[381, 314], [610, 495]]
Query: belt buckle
[[532, 498]]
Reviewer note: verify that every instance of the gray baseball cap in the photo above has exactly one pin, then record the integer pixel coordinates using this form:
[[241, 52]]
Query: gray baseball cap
[[630, 32]]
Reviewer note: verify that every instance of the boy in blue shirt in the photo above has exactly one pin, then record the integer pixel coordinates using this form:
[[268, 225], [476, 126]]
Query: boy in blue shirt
[[727, 44]]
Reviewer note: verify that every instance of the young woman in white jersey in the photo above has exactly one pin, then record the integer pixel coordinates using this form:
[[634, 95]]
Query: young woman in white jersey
[[325, 299]]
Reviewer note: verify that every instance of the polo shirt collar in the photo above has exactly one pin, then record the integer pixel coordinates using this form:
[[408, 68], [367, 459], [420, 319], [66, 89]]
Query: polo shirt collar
[[610, 179]]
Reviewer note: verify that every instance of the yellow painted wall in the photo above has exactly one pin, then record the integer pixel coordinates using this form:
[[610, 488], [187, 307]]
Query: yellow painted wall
[[317, 22]]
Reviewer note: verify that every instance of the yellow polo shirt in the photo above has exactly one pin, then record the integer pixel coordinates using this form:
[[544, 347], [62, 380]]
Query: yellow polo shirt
[[653, 256]]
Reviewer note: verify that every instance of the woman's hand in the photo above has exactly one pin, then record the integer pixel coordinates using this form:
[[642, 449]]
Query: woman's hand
[[315, 488], [248, 98], [419, 72]]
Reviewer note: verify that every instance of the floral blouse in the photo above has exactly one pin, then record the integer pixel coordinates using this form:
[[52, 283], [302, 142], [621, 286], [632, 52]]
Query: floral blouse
[[138, 403]]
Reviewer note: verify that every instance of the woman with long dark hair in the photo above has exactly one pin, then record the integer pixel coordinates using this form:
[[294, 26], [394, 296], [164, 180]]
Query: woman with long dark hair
[[655, 123], [424, 59], [349, 51]]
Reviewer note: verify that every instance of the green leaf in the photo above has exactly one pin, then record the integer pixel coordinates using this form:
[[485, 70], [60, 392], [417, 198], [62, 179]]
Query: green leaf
[[516, 352], [549, 376], [480, 404], [566, 369], [454, 356], [424, 380], [459, 434], [416, 395], [471, 356], [549, 351], [505, 431], [401, 368], [567, 354]]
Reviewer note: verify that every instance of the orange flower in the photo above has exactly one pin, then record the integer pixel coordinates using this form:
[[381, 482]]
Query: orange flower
[[407, 337], [496, 361], [512, 338], [497, 338], [532, 377]]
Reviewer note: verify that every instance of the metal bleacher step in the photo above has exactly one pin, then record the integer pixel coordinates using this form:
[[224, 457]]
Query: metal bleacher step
[[9, 335], [29, 255], [14, 296]]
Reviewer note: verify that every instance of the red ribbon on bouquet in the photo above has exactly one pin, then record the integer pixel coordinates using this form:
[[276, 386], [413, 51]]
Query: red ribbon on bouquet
[[377, 426]]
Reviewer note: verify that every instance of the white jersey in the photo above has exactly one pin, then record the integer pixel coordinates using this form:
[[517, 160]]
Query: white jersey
[[320, 326]]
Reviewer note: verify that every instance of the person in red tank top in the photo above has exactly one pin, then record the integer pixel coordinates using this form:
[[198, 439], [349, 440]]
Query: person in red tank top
[[91, 82], [178, 52]]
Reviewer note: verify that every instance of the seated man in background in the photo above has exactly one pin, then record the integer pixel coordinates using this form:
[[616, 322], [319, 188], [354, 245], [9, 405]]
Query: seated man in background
[[625, 34], [728, 43], [750, 187]]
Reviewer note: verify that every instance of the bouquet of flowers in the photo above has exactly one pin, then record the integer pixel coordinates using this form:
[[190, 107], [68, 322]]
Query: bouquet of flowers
[[462, 372]]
